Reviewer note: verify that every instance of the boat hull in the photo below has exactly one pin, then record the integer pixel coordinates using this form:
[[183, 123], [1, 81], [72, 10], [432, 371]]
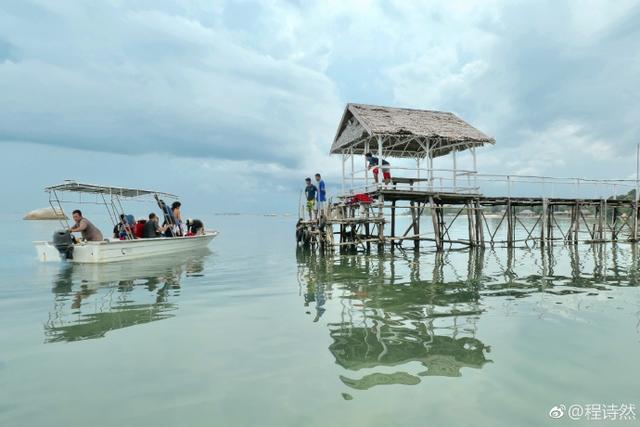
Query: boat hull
[[122, 250]]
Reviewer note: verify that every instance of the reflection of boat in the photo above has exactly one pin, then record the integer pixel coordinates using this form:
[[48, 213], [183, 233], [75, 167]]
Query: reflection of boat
[[109, 250], [93, 299]]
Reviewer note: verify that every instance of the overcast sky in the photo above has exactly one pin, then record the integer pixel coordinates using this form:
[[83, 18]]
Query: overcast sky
[[233, 103]]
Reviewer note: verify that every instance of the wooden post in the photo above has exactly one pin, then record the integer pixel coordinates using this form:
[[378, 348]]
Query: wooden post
[[510, 224], [471, 223], [436, 223], [479, 229], [367, 227], [414, 223], [381, 223], [635, 219], [614, 225], [367, 231], [576, 230], [569, 236], [393, 225], [441, 223], [600, 217], [550, 219], [416, 229], [545, 219]]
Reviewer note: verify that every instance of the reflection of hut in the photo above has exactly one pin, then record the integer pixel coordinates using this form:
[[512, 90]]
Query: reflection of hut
[[359, 348], [395, 319]]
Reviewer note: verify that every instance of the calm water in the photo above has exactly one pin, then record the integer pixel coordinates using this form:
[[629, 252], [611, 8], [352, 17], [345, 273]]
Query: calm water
[[254, 332]]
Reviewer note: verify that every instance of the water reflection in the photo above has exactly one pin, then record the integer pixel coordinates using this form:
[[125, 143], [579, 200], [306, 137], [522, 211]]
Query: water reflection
[[91, 300], [390, 315]]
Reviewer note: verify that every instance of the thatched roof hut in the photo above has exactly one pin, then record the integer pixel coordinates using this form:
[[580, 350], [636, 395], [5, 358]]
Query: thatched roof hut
[[404, 132]]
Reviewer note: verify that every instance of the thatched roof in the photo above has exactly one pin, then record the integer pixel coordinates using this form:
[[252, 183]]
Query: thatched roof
[[404, 132]]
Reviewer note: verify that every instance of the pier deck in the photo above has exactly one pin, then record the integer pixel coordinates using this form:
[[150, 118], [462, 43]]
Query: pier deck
[[490, 220]]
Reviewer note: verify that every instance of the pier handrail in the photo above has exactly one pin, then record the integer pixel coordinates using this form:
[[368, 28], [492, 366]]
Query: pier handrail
[[453, 181]]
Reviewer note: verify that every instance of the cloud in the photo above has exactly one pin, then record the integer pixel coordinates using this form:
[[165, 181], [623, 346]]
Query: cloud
[[121, 79], [524, 74], [258, 87]]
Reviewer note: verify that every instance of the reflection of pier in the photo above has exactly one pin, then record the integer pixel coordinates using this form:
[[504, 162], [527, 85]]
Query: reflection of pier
[[385, 313], [390, 320], [93, 299]]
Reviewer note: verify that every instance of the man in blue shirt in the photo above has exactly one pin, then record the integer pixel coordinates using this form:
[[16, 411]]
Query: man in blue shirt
[[310, 192], [322, 196]]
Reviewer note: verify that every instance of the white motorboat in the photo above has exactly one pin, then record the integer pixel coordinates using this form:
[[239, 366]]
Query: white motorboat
[[63, 247]]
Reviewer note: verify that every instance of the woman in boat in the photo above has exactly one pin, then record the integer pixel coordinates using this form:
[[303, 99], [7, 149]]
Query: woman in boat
[[179, 228]]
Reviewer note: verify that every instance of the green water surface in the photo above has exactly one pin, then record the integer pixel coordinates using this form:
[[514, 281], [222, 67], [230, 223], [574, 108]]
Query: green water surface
[[256, 332]]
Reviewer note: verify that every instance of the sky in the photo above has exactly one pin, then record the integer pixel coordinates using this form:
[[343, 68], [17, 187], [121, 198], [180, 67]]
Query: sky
[[232, 103]]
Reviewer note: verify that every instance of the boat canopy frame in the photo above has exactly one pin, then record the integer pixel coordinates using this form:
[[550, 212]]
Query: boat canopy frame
[[109, 196]]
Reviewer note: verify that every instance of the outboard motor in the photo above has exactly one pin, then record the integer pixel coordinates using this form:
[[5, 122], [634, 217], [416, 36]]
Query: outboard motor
[[63, 242]]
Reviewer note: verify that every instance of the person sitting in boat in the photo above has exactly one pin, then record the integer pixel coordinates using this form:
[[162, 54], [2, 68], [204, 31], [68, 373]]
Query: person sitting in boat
[[195, 227], [152, 228], [374, 163], [89, 231], [123, 229]]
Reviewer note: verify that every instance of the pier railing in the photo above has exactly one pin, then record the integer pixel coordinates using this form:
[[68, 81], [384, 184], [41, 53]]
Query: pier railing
[[499, 185]]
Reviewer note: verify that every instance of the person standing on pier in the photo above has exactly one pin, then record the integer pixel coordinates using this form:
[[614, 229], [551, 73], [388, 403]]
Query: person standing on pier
[[310, 193], [322, 196], [374, 163]]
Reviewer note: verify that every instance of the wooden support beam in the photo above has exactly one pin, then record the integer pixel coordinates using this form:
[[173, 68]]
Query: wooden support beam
[[471, 226], [479, 218], [393, 224], [634, 212], [550, 219], [416, 229], [601, 213], [510, 224], [576, 237], [614, 225], [545, 222], [381, 225], [436, 224]]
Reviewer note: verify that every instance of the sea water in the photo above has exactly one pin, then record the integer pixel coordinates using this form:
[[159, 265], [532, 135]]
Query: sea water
[[257, 332]]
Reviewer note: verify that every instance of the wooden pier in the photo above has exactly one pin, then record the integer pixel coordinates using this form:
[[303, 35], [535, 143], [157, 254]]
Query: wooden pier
[[370, 214], [433, 215]]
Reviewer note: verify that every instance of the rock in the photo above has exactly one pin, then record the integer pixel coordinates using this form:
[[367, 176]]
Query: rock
[[44, 214]]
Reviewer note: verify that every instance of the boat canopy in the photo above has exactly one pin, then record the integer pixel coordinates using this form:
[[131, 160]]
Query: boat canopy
[[77, 187]]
